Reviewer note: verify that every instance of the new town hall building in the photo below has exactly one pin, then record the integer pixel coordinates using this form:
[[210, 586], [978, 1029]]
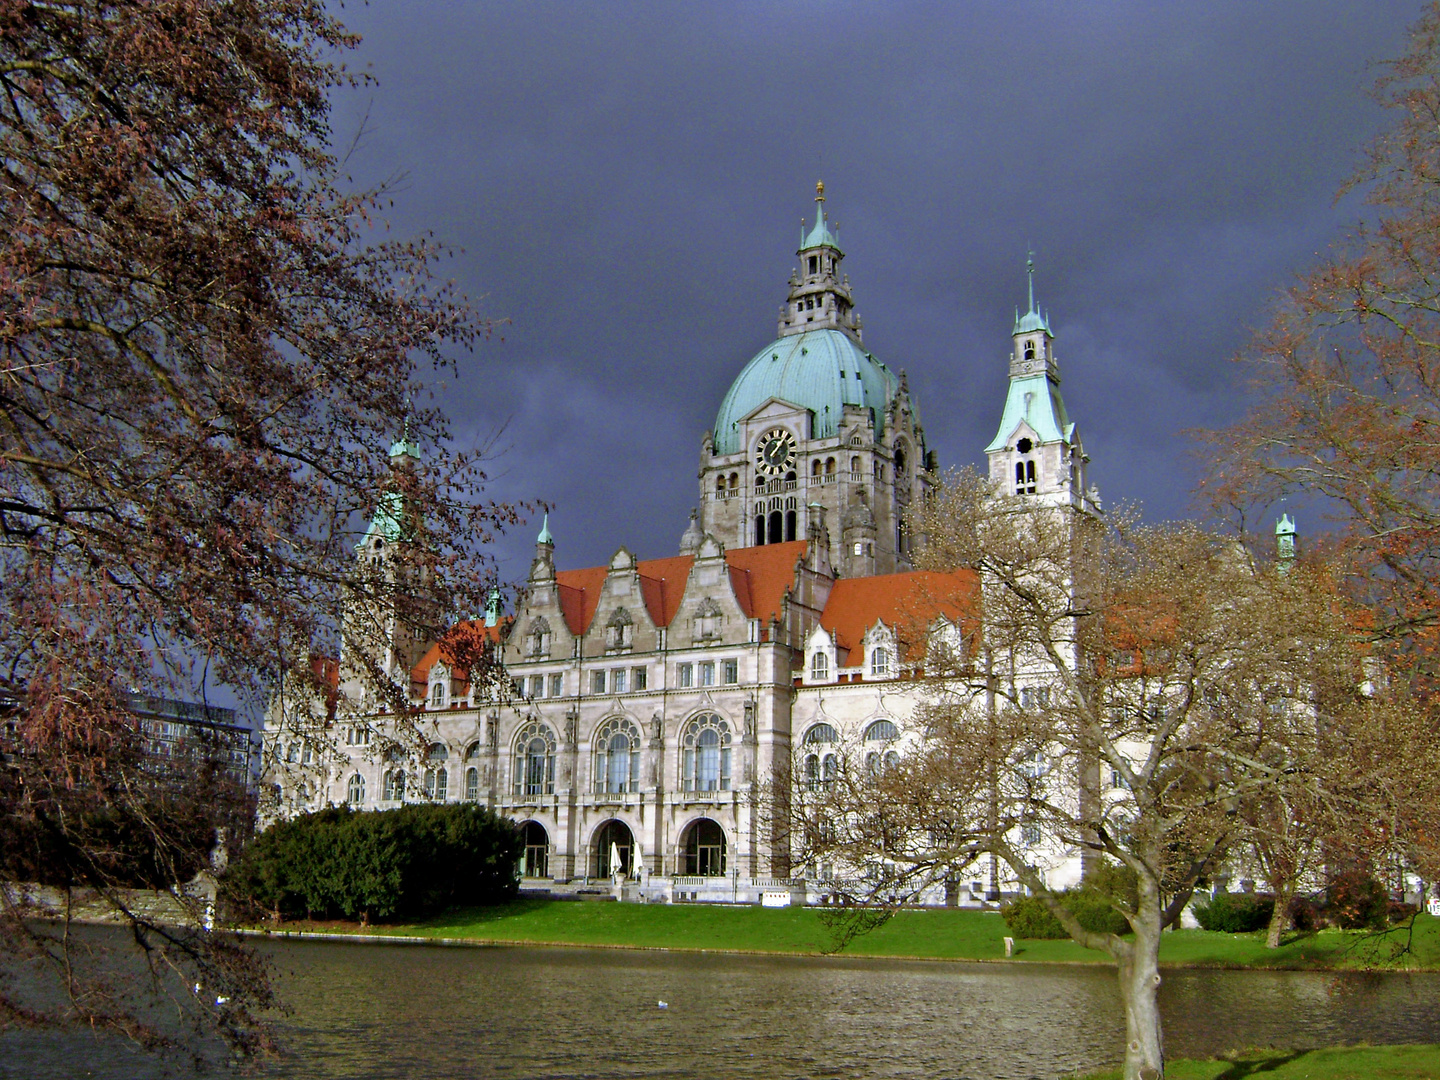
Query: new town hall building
[[650, 699]]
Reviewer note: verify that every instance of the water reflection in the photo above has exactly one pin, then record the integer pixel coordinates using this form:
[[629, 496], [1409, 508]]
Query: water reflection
[[396, 1012]]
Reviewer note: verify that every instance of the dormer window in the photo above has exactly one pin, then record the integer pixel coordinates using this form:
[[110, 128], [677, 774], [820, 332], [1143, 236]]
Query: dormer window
[[880, 662], [437, 695], [819, 667]]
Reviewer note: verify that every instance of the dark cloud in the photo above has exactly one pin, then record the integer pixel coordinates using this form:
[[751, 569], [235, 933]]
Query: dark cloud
[[627, 183]]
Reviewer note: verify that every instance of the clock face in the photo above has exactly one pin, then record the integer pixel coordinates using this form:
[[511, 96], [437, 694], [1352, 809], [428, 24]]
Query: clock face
[[775, 452]]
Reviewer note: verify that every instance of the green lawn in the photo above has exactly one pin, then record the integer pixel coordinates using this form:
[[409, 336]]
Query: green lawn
[[1337, 1063], [930, 934]]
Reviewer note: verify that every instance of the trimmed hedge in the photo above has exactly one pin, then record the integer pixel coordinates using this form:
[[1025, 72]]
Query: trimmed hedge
[[380, 865], [1235, 913]]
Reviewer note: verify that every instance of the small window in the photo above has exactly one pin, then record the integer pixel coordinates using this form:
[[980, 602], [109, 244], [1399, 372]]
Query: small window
[[1030, 835], [472, 785], [355, 790], [1030, 349], [881, 731], [707, 673], [537, 686], [686, 674], [880, 661], [557, 685], [437, 695], [814, 269], [638, 678], [730, 672], [819, 666], [597, 682], [1034, 697], [859, 548], [618, 680]]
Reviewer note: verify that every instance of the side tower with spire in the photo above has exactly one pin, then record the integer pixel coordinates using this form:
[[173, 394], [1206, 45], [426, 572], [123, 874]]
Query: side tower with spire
[[386, 623], [1036, 451]]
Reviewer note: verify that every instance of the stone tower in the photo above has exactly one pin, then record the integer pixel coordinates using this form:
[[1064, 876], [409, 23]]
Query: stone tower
[[1037, 451], [816, 434]]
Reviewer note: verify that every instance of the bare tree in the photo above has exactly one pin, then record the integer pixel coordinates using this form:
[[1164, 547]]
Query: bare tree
[[203, 357], [1133, 695]]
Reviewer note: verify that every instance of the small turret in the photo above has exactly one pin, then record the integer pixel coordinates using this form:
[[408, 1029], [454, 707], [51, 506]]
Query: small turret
[[819, 295], [1285, 541], [492, 608], [542, 568], [693, 534]]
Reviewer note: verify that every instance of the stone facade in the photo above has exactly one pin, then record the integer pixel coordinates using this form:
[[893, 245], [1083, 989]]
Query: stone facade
[[647, 705]]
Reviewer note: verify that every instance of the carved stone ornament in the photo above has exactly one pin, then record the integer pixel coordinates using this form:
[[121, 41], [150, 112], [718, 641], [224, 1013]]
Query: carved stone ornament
[[657, 727]]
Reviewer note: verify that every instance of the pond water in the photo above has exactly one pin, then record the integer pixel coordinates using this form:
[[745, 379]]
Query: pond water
[[392, 1012]]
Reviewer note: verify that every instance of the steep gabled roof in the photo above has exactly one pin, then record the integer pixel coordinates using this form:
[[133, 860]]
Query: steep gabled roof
[[906, 602], [420, 673], [759, 576]]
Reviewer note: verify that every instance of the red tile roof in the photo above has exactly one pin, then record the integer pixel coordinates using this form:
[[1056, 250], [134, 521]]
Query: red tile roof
[[420, 673], [760, 577], [906, 602]]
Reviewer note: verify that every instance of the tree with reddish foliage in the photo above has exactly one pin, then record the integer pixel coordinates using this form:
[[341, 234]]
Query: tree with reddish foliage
[[1346, 409], [203, 357]]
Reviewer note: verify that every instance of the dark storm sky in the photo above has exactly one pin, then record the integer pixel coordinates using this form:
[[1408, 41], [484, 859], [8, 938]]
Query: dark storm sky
[[627, 181]]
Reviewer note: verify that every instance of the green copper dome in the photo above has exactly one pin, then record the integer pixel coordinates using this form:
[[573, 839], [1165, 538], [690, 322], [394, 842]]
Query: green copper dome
[[820, 370]]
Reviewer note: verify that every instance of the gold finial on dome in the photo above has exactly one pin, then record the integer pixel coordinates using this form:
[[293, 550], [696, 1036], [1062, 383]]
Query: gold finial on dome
[[819, 190]]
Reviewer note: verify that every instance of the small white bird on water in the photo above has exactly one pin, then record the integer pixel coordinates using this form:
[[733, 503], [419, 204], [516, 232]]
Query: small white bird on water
[[664, 1004]]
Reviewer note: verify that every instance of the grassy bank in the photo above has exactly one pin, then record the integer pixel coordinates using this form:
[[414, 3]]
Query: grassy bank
[[924, 934], [1336, 1063]]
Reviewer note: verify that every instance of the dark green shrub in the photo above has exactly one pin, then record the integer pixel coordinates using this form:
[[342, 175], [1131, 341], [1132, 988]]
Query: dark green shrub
[[404, 863], [1235, 913], [1028, 916], [1356, 901]]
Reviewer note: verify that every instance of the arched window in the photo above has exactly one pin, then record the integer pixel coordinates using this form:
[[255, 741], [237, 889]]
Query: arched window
[[617, 757], [855, 471], [735, 482], [394, 788], [821, 733], [705, 754], [819, 666], [1025, 477], [812, 772], [437, 777], [534, 761], [703, 846], [880, 661], [872, 763], [881, 731], [759, 530], [776, 531], [829, 769], [437, 695], [816, 467], [355, 790], [720, 487], [830, 466], [899, 461], [1030, 349], [536, 862], [472, 784], [790, 523]]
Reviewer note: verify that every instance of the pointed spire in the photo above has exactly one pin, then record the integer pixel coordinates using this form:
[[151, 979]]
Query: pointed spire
[[545, 537], [402, 447], [1285, 540], [492, 608], [1033, 319]]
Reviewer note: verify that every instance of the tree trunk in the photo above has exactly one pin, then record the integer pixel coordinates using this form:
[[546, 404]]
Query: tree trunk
[[1139, 972], [1280, 917]]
